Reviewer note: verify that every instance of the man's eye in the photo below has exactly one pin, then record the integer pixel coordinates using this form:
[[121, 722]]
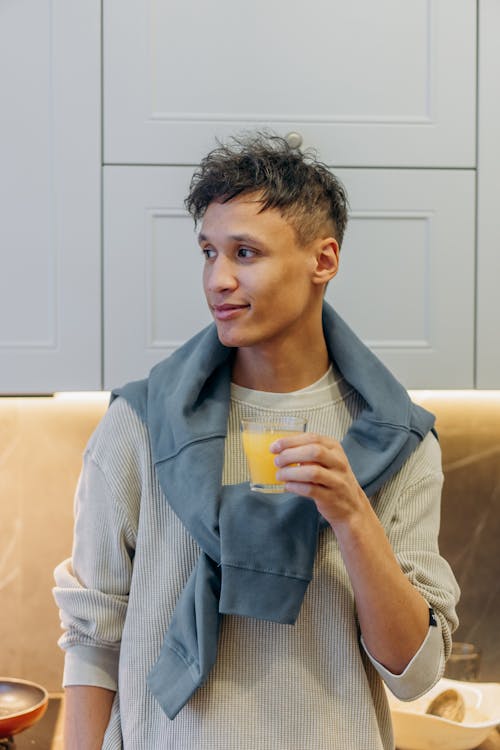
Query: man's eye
[[245, 252], [208, 252]]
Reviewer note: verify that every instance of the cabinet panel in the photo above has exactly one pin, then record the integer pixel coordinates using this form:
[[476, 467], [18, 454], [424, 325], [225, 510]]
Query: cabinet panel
[[488, 222], [153, 296], [368, 84], [406, 283], [406, 280], [50, 197]]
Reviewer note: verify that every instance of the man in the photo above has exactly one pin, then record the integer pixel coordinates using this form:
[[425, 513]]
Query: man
[[201, 615]]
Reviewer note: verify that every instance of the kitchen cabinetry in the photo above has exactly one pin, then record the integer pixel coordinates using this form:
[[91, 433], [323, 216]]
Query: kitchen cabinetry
[[343, 81], [488, 220], [152, 269], [406, 279], [367, 83], [405, 284], [386, 93], [50, 306]]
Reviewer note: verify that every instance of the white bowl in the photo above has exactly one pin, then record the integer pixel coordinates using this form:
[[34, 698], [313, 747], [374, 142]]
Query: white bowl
[[416, 730]]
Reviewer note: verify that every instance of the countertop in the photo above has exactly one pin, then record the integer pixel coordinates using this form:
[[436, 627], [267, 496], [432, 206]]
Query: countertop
[[47, 734]]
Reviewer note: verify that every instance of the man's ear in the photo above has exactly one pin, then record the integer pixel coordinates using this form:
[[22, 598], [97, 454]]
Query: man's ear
[[327, 260]]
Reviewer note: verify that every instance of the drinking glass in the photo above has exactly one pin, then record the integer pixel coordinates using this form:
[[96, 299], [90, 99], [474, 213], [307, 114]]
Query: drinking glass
[[464, 662], [257, 436]]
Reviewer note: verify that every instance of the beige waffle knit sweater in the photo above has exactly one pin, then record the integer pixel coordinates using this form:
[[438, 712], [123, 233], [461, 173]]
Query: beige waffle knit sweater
[[311, 686]]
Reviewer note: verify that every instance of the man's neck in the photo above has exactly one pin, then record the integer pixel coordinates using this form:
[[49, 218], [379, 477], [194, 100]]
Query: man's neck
[[276, 372]]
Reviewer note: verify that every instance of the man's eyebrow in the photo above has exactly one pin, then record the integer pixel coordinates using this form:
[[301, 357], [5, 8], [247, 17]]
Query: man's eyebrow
[[251, 238]]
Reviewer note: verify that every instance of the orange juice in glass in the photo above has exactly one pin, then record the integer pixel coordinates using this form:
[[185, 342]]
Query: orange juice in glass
[[257, 436]]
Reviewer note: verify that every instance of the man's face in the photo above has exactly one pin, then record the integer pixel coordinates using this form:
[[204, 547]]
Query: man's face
[[257, 278]]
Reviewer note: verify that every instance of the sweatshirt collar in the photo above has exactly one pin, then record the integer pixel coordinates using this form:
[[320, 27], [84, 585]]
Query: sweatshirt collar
[[195, 405]]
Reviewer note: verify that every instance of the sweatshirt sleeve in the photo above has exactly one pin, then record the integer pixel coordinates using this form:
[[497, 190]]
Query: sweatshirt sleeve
[[92, 586], [412, 523], [423, 671]]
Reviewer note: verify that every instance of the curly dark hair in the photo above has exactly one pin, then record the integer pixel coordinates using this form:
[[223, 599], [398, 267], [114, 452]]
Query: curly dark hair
[[302, 188]]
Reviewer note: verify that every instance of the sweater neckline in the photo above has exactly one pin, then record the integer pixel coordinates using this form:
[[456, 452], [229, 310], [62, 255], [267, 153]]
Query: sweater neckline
[[330, 388]]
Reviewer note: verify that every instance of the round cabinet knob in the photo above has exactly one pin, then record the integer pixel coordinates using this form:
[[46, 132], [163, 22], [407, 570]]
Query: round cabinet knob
[[294, 140]]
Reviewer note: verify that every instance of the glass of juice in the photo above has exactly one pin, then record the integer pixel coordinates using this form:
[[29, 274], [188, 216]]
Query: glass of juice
[[257, 436]]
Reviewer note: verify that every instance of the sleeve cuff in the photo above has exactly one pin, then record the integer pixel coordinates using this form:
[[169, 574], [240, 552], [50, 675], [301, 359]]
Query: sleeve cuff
[[422, 672], [91, 665]]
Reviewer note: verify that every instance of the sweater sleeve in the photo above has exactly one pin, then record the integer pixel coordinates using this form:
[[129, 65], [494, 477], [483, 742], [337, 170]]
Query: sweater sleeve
[[412, 525], [92, 586]]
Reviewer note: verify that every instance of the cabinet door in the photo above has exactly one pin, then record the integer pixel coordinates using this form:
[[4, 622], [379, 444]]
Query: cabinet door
[[406, 283], [407, 273], [488, 221], [50, 196], [153, 296], [368, 83]]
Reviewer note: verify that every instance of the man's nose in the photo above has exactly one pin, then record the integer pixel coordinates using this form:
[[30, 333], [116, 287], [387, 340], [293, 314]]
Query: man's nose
[[221, 275]]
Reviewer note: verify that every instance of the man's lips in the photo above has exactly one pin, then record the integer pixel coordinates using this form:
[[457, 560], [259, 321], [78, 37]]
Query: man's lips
[[227, 311]]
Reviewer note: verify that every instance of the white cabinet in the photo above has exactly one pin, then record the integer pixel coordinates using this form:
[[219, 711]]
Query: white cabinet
[[406, 279], [385, 83], [50, 307], [153, 298], [488, 215], [406, 283], [386, 93]]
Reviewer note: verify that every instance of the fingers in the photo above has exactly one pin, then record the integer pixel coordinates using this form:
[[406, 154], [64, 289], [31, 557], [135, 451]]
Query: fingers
[[334, 490], [308, 449], [305, 474], [311, 464], [300, 438], [317, 467]]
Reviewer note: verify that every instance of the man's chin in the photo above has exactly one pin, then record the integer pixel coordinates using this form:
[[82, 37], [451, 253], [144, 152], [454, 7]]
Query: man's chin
[[231, 342], [232, 339]]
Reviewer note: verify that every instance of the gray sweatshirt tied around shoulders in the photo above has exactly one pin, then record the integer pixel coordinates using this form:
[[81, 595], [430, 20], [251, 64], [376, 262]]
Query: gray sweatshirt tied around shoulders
[[258, 552]]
